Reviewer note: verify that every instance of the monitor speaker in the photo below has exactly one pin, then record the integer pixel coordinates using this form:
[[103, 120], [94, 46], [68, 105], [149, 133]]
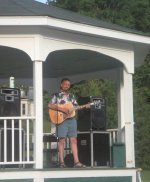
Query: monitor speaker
[[9, 103], [93, 118], [99, 147]]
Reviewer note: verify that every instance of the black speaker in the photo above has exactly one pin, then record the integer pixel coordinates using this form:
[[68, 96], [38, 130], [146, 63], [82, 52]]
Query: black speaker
[[9, 103], [9, 144], [98, 145], [101, 149], [93, 118], [84, 148]]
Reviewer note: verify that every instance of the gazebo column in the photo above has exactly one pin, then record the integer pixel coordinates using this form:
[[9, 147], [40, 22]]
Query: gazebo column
[[38, 125], [125, 115]]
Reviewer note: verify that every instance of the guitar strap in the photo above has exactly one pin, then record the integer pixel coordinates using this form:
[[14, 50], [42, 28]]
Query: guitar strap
[[57, 96]]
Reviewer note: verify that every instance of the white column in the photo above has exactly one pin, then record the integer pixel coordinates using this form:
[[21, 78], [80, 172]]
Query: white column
[[125, 115], [38, 102], [121, 106], [129, 122]]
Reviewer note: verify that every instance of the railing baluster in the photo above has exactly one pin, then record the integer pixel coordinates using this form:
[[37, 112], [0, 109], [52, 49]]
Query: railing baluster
[[20, 140], [113, 133], [9, 134], [5, 140], [13, 139], [28, 140]]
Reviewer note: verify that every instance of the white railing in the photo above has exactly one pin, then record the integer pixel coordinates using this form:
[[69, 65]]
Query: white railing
[[113, 135], [16, 145], [17, 139], [113, 138]]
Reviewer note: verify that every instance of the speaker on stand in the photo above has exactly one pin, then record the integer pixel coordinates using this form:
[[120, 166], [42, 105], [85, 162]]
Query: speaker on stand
[[10, 106], [93, 139], [93, 118]]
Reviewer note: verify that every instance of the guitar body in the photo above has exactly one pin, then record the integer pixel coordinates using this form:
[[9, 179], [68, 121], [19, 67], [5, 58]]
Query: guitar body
[[58, 117]]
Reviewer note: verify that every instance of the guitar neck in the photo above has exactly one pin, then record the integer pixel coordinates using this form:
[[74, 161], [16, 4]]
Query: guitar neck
[[80, 107]]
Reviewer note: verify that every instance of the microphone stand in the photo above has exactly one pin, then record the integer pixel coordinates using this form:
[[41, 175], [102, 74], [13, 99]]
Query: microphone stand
[[57, 138]]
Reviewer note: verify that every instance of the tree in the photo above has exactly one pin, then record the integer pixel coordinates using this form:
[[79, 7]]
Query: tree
[[141, 112], [140, 10], [133, 14]]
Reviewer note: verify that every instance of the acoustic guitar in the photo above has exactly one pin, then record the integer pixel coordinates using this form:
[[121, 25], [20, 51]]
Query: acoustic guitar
[[57, 117]]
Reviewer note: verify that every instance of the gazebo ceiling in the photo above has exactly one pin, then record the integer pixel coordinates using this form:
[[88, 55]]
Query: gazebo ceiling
[[15, 63], [76, 61], [58, 63]]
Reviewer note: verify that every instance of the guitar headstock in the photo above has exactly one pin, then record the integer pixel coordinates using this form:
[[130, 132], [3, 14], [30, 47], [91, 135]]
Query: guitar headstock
[[92, 103]]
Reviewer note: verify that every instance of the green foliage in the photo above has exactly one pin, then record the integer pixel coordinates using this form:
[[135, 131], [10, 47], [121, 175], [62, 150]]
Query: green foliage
[[145, 175], [142, 111], [66, 4], [46, 124], [129, 13], [140, 10], [142, 76]]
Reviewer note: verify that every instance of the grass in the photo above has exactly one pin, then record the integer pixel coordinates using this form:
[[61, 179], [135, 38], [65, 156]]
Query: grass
[[145, 175]]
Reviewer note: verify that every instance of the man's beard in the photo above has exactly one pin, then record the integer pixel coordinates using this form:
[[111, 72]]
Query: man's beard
[[65, 90]]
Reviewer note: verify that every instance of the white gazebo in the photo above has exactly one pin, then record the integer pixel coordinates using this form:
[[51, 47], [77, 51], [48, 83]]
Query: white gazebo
[[40, 44]]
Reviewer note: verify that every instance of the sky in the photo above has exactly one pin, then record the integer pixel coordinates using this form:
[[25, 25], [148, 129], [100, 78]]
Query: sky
[[42, 1]]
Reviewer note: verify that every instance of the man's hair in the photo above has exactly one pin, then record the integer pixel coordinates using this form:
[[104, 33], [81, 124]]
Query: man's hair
[[65, 79]]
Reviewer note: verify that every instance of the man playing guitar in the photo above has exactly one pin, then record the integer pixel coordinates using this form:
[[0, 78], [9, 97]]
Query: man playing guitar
[[68, 126]]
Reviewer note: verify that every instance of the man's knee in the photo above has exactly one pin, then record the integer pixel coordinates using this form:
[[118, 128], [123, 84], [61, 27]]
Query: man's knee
[[62, 140], [73, 140]]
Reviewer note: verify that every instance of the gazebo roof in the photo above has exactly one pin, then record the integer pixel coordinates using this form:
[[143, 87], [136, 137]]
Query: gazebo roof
[[30, 14], [34, 8]]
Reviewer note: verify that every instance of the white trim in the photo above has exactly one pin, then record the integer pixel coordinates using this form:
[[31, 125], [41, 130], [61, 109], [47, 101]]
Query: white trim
[[72, 26], [69, 174], [17, 117]]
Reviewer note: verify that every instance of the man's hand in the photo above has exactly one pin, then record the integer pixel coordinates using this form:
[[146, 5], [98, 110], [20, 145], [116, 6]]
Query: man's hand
[[88, 105], [65, 110]]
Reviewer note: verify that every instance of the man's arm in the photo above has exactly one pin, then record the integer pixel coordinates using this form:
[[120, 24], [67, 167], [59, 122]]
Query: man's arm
[[57, 108], [53, 106]]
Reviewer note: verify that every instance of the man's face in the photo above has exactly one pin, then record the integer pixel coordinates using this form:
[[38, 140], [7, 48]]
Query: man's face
[[65, 85]]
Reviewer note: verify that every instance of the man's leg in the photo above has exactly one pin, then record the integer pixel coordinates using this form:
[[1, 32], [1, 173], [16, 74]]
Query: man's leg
[[73, 143], [61, 144], [72, 134], [74, 148]]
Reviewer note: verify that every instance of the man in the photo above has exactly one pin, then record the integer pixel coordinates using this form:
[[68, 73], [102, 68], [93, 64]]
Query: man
[[68, 128]]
